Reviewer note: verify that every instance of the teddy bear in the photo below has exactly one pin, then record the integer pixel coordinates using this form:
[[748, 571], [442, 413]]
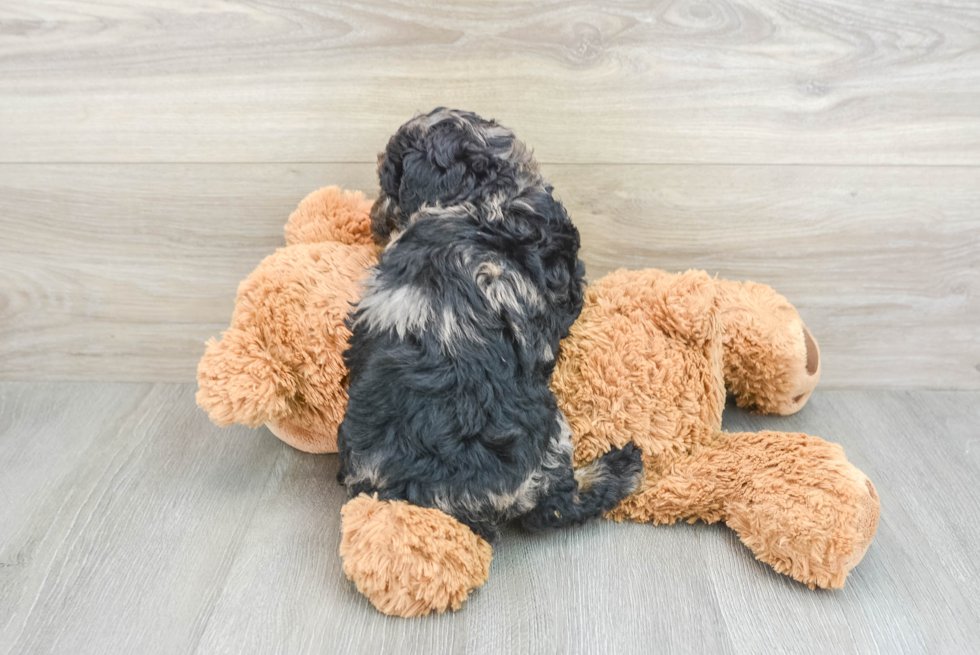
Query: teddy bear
[[649, 361], [280, 362]]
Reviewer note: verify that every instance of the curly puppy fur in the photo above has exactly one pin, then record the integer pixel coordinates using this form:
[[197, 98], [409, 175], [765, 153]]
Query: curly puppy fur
[[455, 337]]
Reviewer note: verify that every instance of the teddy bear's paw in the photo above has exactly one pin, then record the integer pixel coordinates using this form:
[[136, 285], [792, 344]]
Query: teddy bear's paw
[[802, 507], [331, 214], [410, 560], [864, 523], [772, 361]]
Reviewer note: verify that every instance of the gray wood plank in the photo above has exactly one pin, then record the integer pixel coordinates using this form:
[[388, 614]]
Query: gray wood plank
[[120, 272], [824, 81], [133, 525], [912, 592], [122, 511], [594, 589]]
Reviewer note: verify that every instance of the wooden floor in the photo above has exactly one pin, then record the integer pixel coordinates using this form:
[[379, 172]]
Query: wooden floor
[[132, 525]]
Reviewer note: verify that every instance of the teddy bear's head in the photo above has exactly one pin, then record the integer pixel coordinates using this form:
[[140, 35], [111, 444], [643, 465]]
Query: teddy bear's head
[[280, 363]]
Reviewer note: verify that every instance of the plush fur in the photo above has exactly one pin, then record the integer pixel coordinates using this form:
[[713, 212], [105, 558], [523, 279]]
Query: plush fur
[[411, 560], [647, 363], [455, 337], [280, 363]]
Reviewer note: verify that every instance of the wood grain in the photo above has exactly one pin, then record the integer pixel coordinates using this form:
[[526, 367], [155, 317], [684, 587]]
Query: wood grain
[[131, 524], [920, 450], [121, 519], [120, 272], [672, 81]]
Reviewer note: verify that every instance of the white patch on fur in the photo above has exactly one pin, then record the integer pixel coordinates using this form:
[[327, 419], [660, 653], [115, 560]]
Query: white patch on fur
[[367, 471], [405, 309], [429, 121], [523, 204], [589, 475], [443, 504], [493, 211], [453, 328], [394, 239], [506, 289], [438, 212], [562, 451], [522, 499], [494, 131]]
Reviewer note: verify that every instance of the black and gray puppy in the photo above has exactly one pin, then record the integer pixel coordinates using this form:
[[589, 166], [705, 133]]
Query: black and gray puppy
[[455, 337]]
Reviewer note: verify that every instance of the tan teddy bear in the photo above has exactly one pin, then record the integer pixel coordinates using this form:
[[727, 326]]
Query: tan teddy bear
[[280, 363], [648, 361]]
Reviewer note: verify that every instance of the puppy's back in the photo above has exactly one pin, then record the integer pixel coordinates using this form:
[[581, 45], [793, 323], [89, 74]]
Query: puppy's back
[[453, 347]]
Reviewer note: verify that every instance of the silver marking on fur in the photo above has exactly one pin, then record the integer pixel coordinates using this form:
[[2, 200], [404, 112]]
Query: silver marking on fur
[[494, 212], [453, 328], [505, 288], [393, 240], [406, 309], [443, 115], [590, 475], [367, 472]]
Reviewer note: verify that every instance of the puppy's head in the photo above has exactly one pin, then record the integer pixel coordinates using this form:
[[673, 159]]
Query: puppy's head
[[447, 157]]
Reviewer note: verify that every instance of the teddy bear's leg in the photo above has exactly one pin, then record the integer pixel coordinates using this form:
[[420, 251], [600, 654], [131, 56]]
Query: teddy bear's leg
[[772, 362], [409, 560], [793, 499], [802, 507]]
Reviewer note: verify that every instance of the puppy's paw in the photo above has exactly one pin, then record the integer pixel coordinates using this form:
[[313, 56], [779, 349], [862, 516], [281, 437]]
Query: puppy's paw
[[611, 478], [625, 464]]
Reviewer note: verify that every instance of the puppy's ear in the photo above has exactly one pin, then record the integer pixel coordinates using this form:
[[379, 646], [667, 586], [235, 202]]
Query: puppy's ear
[[413, 170], [390, 167], [444, 165], [386, 212]]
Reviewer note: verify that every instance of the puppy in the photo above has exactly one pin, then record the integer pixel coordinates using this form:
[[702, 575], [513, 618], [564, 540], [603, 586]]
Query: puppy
[[455, 337]]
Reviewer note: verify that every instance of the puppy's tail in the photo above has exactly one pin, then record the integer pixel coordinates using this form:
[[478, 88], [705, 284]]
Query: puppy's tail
[[590, 491]]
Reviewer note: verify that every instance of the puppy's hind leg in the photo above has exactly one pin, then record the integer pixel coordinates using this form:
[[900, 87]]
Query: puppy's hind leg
[[574, 497]]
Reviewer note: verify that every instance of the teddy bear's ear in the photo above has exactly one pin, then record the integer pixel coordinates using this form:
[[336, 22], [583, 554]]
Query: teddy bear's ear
[[239, 381], [331, 214]]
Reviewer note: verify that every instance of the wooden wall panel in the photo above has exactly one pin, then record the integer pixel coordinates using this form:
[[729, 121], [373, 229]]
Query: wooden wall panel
[[668, 81], [120, 272]]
